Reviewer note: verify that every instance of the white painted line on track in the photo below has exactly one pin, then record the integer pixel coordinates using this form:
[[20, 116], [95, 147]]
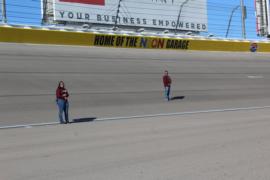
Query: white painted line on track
[[144, 116], [28, 125], [183, 113], [255, 77]]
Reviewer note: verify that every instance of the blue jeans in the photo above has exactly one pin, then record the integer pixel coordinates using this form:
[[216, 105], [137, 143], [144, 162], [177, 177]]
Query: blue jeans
[[63, 108], [167, 92]]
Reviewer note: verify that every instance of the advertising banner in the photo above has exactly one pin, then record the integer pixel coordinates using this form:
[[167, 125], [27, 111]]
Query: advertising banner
[[161, 14], [140, 42], [40, 36]]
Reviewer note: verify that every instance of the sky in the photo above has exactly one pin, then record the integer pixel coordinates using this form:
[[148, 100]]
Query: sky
[[29, 12], [218, 18]]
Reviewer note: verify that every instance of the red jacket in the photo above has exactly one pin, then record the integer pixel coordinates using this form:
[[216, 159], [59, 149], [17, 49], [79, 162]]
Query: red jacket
[[167, 80], [62, 93]]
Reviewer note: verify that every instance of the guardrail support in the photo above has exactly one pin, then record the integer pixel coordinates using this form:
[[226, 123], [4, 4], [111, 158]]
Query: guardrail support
[[117, 15], [229, 25], [243, 10], [179, 14], [4, 12]]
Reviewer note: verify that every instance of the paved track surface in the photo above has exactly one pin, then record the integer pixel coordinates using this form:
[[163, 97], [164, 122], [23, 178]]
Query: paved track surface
[[213, 146], [106, 82]]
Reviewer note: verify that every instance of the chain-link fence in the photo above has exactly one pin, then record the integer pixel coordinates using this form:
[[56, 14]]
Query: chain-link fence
[[224, 19]]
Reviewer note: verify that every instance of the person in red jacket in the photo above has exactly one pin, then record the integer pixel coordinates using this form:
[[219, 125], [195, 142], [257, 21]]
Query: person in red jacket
[[62, 102], [167, 81]]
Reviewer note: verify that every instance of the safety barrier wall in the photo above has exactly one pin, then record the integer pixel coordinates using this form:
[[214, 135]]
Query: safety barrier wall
[[41, 36]]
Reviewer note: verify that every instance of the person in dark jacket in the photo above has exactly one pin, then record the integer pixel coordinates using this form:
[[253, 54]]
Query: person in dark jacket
[[62, 102], [167, 81]]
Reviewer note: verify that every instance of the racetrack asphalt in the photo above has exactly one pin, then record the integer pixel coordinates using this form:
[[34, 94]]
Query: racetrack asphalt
[[108, 82], [210, 146], [217, 128]]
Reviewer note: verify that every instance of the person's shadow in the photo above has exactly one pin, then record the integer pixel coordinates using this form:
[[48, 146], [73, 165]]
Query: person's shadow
[[82, 120], [91, 119], [177, 98]]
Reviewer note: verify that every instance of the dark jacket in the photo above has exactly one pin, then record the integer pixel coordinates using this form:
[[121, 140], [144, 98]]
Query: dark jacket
[[167, 80], [62, 93]]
